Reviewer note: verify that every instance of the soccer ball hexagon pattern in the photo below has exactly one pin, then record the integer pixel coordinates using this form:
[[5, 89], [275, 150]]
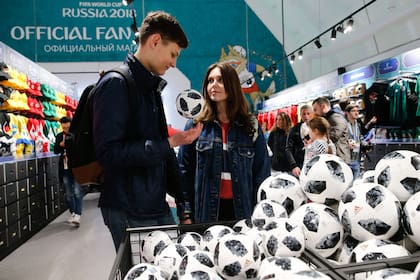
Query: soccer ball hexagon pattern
[[189, 103], [370, 211], [324, 178], [399, 171]]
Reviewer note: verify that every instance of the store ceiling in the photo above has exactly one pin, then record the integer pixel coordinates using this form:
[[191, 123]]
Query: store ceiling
[[386, 28]]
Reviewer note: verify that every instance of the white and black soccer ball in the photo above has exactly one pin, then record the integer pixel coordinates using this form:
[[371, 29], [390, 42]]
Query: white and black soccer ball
[[237, 256], [144, 271], [307, 275], [399, 171], [279, 267], [191, 240], [324, 178], [283, 238], [265, 211], [368, 211], [169, 259], [411, 218], [212, 235], [377, 249], [368, 176], [416, 272], [242, 225], [392, 273], [257, 235], [201, 275], [283, 188], [322, 228], [197, 260], [152, 244], [189, 103]]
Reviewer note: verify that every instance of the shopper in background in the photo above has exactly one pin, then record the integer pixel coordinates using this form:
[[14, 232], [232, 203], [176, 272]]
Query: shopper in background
[[297, 139], [134, 149], [277, 142], [74, 193], [266, 131], [338, 126], [319, 142], [222, 170]]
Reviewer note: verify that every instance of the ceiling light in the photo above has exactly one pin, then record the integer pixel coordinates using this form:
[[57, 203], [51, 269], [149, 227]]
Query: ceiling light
[[300, 54], [349, 26], [318, 43], [127, 2], [292, 59], [333, 34], [340, 28]]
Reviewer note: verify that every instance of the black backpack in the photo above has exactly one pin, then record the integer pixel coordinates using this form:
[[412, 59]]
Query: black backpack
[[79, 145]]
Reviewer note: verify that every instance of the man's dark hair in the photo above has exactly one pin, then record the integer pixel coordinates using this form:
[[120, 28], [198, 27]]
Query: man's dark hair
[[65, 120], [166, 26]]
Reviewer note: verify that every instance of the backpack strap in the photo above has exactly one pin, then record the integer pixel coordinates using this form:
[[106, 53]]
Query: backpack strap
[[124, 71]]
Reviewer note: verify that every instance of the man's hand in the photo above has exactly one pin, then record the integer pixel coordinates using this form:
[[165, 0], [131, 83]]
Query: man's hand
[[296, 171], [185, 137]]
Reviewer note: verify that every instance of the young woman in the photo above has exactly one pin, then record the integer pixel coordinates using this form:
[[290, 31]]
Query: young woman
[[222, 170], [277, 142], [319, 142]]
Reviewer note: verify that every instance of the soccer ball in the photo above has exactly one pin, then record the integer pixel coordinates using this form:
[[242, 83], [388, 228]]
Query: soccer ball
[[276, 267], [257, 236], [368, 176], [344, 252], [189, 103], [201, 275], [283, 238], [411, 218], [308, 274], [265, 211], [144, 271], [237, 256], [212, 235], [370, 211], [196, 261], [283, 188], [170, 258], [399, 171], [152, 244], [391, 274], [377, 249], [416, 272], [324, 178], [191, 240], [242, 225], [322, 228]]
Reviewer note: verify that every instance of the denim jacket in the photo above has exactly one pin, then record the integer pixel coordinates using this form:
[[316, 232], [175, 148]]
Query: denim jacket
[[201, 166]]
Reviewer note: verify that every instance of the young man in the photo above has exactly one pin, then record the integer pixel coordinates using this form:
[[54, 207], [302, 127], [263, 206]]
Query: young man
[[134, 148], [338, 130], [74, 193], [355, 129]]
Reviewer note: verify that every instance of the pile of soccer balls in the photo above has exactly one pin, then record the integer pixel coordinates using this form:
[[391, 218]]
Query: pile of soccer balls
[[325, 211]]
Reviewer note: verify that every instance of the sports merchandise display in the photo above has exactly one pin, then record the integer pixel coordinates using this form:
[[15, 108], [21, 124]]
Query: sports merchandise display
[[144, 271], [283, 238], [399, 171], [191, 240], [411, 218], [377, 249], [237, 256], [169, 260], [370, 211], [189, 103], [265, 211], [152, 244], [322, 228], [284, 189], [325, 177]]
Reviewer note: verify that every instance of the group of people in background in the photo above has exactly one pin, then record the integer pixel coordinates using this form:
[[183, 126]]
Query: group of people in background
[[323, 129], [223, 156]]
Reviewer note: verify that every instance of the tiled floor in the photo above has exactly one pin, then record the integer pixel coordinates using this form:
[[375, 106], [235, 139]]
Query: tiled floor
[[61, 251]]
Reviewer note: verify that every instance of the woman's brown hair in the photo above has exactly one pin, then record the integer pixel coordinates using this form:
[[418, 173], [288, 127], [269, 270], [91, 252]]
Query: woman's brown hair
[[287, 122], [236, 103]]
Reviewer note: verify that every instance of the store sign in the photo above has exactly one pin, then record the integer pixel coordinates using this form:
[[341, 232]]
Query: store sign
[[358, 75], [411, 59], [388, 66], [69, 30]]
